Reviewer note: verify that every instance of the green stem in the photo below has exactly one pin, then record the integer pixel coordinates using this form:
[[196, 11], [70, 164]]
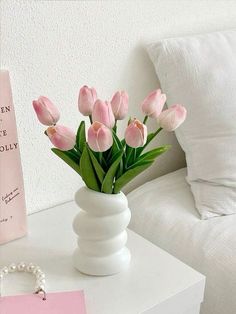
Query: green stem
[[100, 158], [145, 119], [104, 162], [128, 156], [90, 119], [155, 133], [134, 155], [108, 154]]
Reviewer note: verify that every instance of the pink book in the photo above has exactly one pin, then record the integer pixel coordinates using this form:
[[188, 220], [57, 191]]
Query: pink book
[[12, 199], [56, 303]]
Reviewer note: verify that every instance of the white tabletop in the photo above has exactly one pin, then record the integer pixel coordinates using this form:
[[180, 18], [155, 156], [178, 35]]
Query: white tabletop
[[153, 277]]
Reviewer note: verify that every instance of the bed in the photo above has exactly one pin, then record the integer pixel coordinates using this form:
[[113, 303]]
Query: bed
[[163, 212]]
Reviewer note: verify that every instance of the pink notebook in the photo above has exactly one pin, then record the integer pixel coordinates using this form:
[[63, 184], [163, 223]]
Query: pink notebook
[[56, 303]]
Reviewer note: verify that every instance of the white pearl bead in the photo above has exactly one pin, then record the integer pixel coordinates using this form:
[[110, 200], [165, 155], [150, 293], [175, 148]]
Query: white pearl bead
[[41, 282], [30, 268], [21, 266], [37, 271], [40, 276], [5, 270], [12, 268]]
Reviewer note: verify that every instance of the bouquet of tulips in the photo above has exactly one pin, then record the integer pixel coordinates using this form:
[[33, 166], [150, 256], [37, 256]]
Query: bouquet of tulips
[[105, 162]]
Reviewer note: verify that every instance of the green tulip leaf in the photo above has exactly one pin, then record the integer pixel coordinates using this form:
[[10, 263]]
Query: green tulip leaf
[[121, 168], [153, 154], [117, 145], [114, 157], [70, 158], [98, 168], [129, 155], [74, 154], [107, 185], [88, 172], [130, 175], [80, 136], [123, 142]]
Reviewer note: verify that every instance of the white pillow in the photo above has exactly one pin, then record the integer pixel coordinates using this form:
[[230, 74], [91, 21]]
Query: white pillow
[[200, 73]]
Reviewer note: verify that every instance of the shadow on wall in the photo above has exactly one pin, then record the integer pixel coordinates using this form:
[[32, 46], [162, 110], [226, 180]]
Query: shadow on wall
[[139, 78], [139, 74]]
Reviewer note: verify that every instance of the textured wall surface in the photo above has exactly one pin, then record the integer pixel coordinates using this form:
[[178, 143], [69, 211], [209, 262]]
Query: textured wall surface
[[54, 47]]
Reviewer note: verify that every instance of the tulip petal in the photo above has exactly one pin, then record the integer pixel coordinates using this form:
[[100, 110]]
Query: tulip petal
[[102, 112], [153, 104], [171, 118], [136, 134], [87, 98], [119, 104], [99, 137], [62, 137], [46, 111]]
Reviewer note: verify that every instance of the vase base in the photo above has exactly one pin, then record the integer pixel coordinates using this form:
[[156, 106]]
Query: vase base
[[102, 266]]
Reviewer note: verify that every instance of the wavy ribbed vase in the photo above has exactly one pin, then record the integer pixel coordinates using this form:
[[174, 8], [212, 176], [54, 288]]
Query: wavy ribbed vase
[[101, 229]]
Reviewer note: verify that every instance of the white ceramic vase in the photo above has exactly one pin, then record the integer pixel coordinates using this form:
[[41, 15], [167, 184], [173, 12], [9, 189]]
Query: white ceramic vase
[[101, 229]]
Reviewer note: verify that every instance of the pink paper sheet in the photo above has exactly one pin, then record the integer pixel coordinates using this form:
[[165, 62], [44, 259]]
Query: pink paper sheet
[[56, 303]]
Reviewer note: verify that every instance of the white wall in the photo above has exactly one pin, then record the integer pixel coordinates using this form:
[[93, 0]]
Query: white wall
[[54, 47]]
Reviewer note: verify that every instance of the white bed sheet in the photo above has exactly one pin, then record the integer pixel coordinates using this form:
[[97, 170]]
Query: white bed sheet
[[163, 212]]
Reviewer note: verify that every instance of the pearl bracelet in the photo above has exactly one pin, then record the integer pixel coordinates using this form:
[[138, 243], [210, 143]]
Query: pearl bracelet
[[28, 268]]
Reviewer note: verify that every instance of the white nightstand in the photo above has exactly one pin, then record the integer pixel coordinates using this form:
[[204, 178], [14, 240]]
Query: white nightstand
[[155, 283]]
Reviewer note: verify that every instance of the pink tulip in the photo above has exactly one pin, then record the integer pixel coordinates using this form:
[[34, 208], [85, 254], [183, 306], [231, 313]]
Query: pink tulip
[[170, 119], [102, 113], [153, 104], [46, 111], [99, 137], [119, 104], [87, 98], [136, 134], [61, 137]]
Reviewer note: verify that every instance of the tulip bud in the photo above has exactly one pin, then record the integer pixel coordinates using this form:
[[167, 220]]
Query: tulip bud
[[119, 104], [153, 104], [87, 98], [102, 113], [99, 137], [170, 119], [136, 134], [61, 137], [46, 111]]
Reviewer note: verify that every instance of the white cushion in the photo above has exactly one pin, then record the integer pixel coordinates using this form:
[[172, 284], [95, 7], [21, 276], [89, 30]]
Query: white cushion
[[200, 73], [163, 212]]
